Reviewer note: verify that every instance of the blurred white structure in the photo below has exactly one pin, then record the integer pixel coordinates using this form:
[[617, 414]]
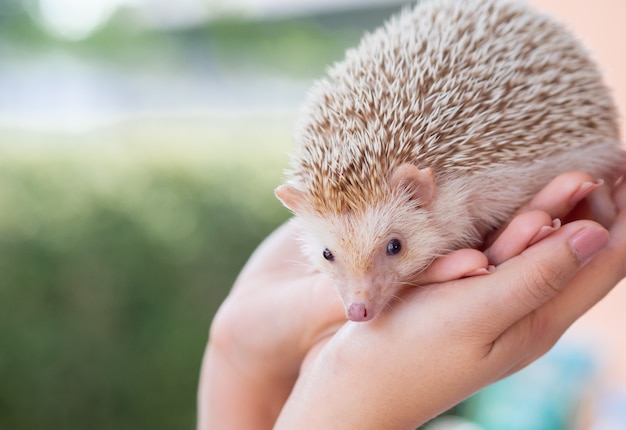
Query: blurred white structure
[[77, 19], [62, 89]]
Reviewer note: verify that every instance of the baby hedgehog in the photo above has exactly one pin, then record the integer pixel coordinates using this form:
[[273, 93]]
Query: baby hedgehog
[[432, 132]]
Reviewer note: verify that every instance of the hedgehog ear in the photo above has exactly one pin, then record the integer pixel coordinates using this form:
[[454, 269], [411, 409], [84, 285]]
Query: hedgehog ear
[[291, 197], [420, 183]]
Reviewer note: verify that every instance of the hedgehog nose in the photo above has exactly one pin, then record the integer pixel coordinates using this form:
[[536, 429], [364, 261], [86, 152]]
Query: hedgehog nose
[[358, 312]]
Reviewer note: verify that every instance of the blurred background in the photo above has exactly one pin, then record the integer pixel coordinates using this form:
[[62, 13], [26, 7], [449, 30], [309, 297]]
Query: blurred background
[[140, 141]]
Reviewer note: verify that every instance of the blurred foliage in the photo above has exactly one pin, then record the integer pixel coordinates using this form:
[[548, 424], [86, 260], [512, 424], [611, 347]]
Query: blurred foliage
[[116, 249], [16, 24], [297, 46], [300, 47]]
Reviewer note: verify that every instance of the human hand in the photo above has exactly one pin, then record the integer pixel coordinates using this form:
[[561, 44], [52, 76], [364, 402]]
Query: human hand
[[442, 343], [277, 311], [281, 311]]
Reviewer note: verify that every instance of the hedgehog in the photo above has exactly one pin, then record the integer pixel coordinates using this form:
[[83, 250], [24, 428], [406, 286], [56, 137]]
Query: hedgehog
[[432, 132]]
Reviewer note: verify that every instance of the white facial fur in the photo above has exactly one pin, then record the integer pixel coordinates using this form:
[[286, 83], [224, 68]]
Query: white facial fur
[[364, 273]]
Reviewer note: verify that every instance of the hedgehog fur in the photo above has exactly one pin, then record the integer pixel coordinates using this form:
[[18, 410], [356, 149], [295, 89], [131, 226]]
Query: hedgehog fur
[[490, 98]]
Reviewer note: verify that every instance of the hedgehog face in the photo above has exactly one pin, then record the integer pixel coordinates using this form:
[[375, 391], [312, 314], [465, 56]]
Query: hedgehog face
[[375, 247], [370, 254]]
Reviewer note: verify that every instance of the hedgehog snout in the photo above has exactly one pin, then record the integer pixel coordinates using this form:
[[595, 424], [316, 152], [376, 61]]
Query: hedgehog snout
[[359, 312]]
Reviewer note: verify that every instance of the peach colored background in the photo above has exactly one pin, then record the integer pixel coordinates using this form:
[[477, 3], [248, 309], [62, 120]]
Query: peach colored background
[[602, 26]]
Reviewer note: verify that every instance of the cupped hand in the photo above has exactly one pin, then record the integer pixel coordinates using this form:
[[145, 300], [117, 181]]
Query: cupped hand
[[280, 311], [277, 312], [443, 342]]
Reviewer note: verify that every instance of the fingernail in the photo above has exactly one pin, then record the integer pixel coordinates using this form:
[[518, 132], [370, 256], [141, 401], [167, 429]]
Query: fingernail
[[545, 231], [587, 242], [584, 189], [477, 272]]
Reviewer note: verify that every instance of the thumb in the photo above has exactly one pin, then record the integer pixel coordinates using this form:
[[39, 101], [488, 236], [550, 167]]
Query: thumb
[[529, 280]]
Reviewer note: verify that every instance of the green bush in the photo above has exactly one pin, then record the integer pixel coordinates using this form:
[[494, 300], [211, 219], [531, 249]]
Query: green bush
[[113, 260]]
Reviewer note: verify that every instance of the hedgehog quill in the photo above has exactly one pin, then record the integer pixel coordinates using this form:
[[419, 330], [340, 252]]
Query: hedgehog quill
[[432, 132]]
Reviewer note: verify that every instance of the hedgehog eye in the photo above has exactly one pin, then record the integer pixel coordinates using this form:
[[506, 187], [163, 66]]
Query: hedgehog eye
[[393, 247], [328, 255]]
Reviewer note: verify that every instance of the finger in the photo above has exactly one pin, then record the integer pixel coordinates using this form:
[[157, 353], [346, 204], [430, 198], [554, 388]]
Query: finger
[[309, 307], [619, 195], [529, 280], [598, 277], [589, 286], [558, 198], [280, 253], [563, 193], [455, 265], [602, 206], [602, 273], [534, 334], [524, 230]]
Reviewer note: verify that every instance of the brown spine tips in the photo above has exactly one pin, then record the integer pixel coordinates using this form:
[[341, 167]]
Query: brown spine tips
[[291, 197], [419, 183]]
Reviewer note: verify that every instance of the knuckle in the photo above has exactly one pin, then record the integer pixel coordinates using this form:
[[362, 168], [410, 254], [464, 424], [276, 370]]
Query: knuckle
[[226, 328], [543, 281]]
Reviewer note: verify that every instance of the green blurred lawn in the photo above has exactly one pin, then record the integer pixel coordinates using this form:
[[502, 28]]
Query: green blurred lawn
[[116, 248], [117, 245]]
